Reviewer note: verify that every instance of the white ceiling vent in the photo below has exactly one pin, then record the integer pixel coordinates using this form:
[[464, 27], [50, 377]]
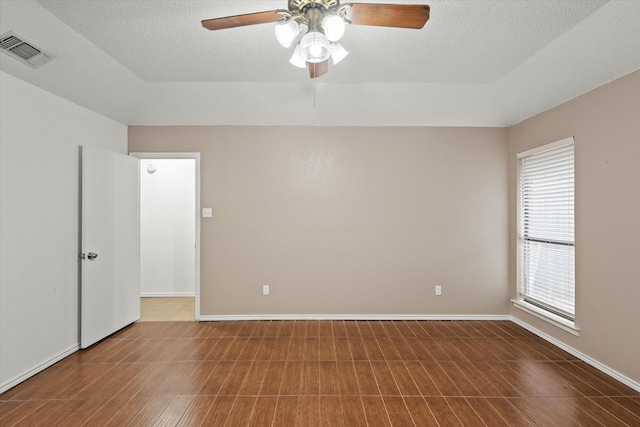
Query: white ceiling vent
[[18, 48]]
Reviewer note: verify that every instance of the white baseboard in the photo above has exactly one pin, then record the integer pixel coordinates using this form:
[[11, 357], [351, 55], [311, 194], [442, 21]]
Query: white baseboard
[[599, 366], [229, 317], [166, 294], [41, 367]]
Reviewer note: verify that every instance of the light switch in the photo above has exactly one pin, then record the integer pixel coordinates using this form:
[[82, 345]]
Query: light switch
[[206, 213]]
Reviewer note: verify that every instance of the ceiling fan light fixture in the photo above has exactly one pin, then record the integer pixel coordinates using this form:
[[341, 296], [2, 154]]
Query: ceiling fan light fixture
[[287, 31], [296, 59], [338, 53], [314, 47], [333, 26], [314, 27]]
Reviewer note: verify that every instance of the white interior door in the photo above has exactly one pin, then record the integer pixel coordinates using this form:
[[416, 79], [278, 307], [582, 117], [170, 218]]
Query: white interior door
[[110, 272]]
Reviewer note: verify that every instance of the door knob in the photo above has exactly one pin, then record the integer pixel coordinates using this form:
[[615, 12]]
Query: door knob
[[90, 255]]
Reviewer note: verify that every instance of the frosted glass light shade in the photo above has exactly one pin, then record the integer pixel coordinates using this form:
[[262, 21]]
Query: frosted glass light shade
[[286, 32], [314, 47], [333, 27], [296, 58], [338, 53]]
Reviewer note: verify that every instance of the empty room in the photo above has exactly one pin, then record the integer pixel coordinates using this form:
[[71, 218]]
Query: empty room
[[396, 213]]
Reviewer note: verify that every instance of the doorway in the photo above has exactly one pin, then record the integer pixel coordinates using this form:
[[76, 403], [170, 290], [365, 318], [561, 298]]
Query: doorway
[[169, 236]]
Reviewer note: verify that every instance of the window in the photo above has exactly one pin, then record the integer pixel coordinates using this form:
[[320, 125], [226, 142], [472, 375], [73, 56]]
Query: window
[[546, 254]]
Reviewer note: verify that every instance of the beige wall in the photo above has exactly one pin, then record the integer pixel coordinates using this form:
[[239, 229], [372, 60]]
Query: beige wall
[[606, 127], [348, 220]]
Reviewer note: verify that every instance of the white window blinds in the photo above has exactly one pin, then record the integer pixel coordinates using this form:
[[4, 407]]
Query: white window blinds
[[546, 228]]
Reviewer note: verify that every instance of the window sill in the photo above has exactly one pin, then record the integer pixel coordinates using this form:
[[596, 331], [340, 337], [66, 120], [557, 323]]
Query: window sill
[[560, 322]]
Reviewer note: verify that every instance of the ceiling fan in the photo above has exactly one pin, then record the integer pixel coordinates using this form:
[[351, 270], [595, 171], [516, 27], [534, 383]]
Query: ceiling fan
[[318, 25]]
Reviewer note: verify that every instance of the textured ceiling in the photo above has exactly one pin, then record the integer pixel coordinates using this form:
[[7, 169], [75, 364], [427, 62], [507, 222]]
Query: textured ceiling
[[465, 42], [475, 63]]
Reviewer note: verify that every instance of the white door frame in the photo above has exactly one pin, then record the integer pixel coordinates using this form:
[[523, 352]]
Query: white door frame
[[196, 156]]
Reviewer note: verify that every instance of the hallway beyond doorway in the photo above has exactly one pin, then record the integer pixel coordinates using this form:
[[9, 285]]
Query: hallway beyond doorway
[[167, 309]]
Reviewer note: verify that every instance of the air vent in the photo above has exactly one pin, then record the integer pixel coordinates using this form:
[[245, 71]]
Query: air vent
[[25, 52]]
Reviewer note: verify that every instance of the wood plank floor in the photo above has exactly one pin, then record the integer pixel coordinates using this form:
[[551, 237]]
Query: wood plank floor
[[321, 373]]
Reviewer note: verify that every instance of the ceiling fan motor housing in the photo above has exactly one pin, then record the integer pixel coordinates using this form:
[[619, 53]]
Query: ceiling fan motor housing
[[302, 6], [311, 12]]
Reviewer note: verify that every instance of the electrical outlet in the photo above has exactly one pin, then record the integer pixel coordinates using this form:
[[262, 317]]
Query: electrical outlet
[[265, 289], [438, 290]]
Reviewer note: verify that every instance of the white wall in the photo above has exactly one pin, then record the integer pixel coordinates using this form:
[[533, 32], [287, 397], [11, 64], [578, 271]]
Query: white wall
[[167, 227], [39, 168]]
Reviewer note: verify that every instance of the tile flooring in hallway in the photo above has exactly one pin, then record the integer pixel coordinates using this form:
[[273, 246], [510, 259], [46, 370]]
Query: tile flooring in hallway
[[167, 309], [321, 373]]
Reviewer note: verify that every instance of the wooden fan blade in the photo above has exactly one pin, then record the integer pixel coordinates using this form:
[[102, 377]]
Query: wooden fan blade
[[318, 69], [389, 15], [241, 20]]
